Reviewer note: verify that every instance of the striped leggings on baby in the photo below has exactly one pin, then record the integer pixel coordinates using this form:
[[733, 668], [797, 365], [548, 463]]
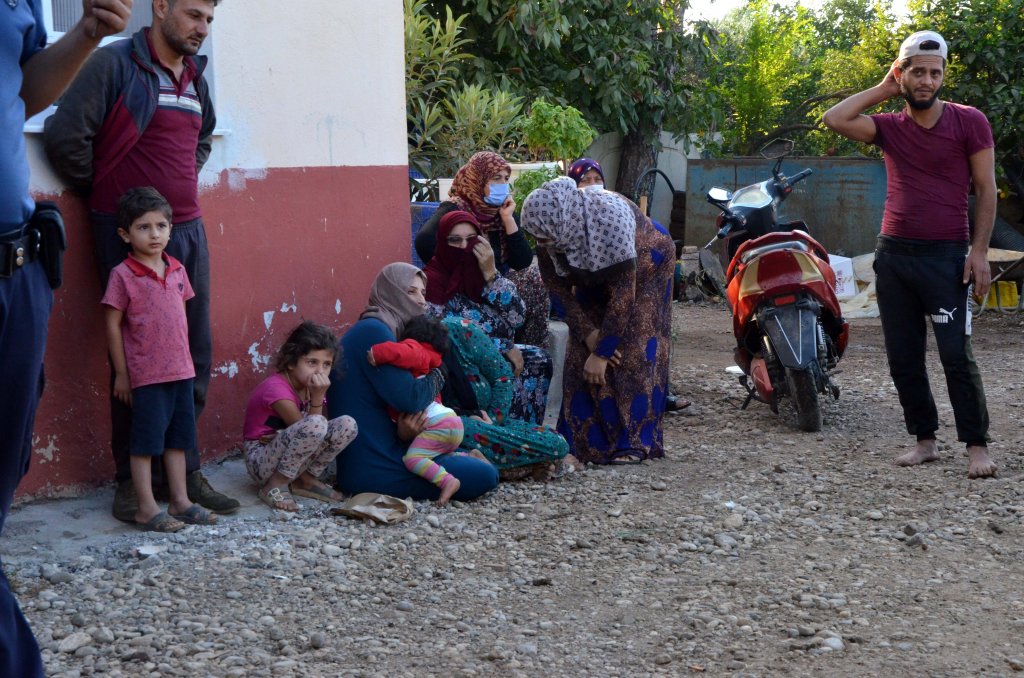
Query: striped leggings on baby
[[442, 435]]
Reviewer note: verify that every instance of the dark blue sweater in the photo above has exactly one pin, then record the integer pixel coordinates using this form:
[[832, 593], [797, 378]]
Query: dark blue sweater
[[373, 461]]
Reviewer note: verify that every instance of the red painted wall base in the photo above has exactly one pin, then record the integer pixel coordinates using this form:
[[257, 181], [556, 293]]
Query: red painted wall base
[[285, 245]]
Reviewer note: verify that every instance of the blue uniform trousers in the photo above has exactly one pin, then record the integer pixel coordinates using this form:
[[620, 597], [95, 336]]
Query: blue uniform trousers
[[25, 302]]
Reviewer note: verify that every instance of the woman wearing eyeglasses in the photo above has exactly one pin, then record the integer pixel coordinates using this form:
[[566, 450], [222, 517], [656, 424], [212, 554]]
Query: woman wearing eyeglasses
[[481, 187], [463, 282]]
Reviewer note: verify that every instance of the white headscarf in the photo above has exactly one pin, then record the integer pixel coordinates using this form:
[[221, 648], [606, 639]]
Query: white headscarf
[[594, 230]]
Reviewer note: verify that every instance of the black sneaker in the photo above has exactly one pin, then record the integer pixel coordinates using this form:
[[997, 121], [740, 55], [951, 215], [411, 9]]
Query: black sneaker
[[200, 492], [126, 504]]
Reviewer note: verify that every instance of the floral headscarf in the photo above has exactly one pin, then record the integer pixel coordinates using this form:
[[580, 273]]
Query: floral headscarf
[[581, 167], [389, 296], [454, 270], [593, 233], [469, 188]]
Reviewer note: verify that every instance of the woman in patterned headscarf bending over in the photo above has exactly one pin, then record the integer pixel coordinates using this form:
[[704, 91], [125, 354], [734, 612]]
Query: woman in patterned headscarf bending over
[[609, 270]]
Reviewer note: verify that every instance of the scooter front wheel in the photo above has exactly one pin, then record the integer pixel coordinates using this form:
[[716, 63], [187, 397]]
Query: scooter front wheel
[[804, 391]]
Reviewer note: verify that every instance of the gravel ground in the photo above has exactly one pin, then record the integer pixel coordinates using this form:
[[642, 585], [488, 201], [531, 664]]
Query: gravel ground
[[752, 550]]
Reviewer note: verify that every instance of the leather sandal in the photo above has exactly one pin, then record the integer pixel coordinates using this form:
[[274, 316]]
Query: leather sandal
[[278, 499]]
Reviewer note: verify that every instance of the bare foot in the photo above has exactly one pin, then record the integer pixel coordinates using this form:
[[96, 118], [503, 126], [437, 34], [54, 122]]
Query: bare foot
[[477, 454], [979, 464], [571, 460], [544, 472], [449, 489], [924, 451]]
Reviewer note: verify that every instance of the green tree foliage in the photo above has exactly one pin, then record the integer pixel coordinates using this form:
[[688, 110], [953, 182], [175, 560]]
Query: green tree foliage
[[986, 68], [554, 132], [767, 71], [627, 66], [477, 119], [853, 66], [432, 55], [448, 120], [839, 24], [780, 66]]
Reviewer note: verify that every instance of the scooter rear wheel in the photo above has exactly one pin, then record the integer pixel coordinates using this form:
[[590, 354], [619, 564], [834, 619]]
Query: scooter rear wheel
[[804, 391]]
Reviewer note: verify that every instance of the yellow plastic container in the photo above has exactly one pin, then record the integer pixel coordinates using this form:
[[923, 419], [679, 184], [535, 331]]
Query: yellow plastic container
[[1003, 295]]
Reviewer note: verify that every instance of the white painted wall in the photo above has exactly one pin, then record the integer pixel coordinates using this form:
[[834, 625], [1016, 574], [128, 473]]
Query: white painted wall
[[316, 83]]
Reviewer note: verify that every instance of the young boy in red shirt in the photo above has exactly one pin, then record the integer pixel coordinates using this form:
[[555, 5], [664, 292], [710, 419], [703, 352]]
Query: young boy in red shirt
[[147, 336]]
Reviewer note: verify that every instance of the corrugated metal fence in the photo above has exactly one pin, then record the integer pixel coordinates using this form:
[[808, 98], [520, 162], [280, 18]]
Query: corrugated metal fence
[[841, 202]]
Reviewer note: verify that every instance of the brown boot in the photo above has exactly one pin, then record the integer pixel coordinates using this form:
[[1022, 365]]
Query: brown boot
[[200, 492], [126, 504]]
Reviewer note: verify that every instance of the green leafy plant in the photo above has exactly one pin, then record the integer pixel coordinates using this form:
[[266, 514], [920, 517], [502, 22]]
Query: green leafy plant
[[477, 119], [447, 122], [631, 67], [556, 132], [432, 56], [530, 180]]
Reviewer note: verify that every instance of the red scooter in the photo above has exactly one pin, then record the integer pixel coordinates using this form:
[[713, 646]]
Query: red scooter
[[789, 329]]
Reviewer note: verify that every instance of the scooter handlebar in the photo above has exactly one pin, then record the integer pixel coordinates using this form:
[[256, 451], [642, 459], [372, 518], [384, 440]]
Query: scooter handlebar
[[799, 176], [729, 220]]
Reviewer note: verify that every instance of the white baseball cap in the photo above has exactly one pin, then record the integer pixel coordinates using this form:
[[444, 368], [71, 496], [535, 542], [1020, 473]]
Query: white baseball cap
[[924, 43]]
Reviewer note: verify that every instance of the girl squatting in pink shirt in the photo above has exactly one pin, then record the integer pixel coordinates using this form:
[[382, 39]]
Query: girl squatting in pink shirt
[[288, 440]]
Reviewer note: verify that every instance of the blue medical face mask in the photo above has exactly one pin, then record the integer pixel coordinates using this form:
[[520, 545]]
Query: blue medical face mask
[[496, 195]]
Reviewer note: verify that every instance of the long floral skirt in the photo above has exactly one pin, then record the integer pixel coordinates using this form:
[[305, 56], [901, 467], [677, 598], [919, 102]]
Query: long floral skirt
[[514, 443]]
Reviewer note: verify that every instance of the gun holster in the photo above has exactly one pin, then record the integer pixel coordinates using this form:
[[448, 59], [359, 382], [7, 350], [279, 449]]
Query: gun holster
[[47, 227]]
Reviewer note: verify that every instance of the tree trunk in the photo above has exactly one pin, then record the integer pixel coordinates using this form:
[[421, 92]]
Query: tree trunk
[[638, 156]]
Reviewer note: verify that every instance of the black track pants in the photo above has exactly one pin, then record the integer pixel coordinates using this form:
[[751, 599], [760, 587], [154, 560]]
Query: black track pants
[[920, 281]]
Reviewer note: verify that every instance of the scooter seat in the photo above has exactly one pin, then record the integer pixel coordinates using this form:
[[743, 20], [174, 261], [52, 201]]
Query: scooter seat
[[755, 252]]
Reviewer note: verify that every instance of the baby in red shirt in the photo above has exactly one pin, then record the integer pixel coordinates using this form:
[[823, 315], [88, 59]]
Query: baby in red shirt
[[424, 340]]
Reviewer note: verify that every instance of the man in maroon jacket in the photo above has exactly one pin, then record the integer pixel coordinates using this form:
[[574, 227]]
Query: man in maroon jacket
[[140, 114]]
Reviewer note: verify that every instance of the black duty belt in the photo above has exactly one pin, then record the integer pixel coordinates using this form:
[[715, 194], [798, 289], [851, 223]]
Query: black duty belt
[[17, 249]]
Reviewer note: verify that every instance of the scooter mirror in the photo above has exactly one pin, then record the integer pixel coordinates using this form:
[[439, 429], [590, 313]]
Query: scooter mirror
[[777, 148], [717, 194]]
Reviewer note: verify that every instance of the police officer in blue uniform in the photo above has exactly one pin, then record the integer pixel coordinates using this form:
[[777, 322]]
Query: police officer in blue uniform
[[31, 242]]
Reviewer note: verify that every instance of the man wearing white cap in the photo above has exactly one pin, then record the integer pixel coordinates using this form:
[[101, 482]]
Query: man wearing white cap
[[934, 151]]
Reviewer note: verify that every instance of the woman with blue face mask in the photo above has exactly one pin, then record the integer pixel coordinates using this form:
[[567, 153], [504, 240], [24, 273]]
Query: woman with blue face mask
[[481, 187]]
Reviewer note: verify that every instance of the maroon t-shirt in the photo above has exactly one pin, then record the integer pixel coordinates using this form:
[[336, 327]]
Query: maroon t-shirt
[[929, 171], [164, 157]]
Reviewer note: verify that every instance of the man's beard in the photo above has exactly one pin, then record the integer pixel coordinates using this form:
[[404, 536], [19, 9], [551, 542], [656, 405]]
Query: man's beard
[[178, 43], [917, 104]]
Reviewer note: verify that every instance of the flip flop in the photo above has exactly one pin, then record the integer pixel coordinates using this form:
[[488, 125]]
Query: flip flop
[[275, 498], [677, 404], [628, 458], [196, 515], [318, 492], [161, 522]]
